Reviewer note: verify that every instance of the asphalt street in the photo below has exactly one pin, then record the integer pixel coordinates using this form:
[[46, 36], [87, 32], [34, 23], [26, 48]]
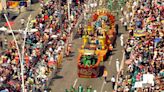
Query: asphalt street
[[68, 77]]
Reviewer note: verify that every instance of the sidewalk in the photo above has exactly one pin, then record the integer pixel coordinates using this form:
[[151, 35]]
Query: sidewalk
[[34, 12], [17, 25]]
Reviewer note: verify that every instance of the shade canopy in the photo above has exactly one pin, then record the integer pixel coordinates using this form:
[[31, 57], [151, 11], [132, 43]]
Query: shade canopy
[[3, 28], [139, 33]]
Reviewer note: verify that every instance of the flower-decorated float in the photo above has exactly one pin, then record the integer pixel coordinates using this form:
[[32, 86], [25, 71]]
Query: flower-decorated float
[[97, 43]]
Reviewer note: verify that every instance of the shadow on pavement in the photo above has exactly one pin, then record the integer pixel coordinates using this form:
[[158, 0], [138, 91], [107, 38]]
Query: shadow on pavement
[[48, 89], [101, 69], [57, 77], [69, 59], [119, 34]]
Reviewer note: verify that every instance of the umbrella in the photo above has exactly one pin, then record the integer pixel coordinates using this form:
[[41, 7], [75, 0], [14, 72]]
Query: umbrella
[[5, 90], [10, 22], [150, 27], [11, 82], [152, 19], [51, 63], [157, 40], [54, 36], [46, 30], [33, 30], [139, 33], [5, 64], [33, 21], [141, 66], [146, 9], [3, 28], [128, 62]]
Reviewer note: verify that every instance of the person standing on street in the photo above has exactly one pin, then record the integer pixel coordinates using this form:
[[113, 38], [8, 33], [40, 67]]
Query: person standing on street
[[117, 65], [22, 22], [125, 25], [122, 40], [113, 81], [105, 74], [116, 27]]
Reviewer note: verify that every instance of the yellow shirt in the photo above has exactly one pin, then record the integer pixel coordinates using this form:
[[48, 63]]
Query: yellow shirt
[[105, 73]]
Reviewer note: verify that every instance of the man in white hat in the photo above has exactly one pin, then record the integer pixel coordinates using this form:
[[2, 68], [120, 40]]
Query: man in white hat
[[121, 39]]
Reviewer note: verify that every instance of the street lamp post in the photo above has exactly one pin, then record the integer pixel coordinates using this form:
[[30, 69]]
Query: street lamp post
[[68, 4], [69, 18], [21, 55]]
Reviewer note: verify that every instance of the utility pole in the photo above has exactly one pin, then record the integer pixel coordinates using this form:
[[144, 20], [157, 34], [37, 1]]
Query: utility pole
[[68, 6], [20, 54], [69, 16]]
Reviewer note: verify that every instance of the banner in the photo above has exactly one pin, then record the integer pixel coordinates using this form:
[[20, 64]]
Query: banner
[[12, 4]]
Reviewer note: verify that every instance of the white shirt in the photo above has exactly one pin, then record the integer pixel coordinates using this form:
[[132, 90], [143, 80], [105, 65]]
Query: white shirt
[[121, 20], [1, 79], [121, 37], [117, 66], [112, 79], [22, 21], [125, 23], [134, 3], [40, 25]]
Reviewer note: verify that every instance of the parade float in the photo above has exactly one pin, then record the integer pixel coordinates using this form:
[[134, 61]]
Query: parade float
[[97, 43]]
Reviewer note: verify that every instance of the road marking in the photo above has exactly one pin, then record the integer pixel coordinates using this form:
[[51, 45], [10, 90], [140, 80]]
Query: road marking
[[102, 87], [75, 82], [110, 60]]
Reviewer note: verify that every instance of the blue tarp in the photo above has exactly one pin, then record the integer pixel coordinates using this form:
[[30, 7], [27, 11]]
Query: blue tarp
[[157, 40]]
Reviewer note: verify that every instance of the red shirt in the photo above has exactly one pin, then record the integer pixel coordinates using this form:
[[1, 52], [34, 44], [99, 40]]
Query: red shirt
[[46, 17]]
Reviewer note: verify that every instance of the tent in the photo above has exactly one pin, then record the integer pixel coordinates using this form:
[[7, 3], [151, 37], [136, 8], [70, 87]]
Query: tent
[[148, 79], [3, 28], [33, 30], [138, 84], [157, 40], [139, 33]]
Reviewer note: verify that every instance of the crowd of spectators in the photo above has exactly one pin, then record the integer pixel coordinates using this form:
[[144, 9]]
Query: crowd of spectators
[[144, 49], [43, 49]]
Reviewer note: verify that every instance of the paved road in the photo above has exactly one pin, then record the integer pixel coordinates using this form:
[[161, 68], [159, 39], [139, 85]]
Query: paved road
[[68, 74], [35, 8], [17, 25]]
